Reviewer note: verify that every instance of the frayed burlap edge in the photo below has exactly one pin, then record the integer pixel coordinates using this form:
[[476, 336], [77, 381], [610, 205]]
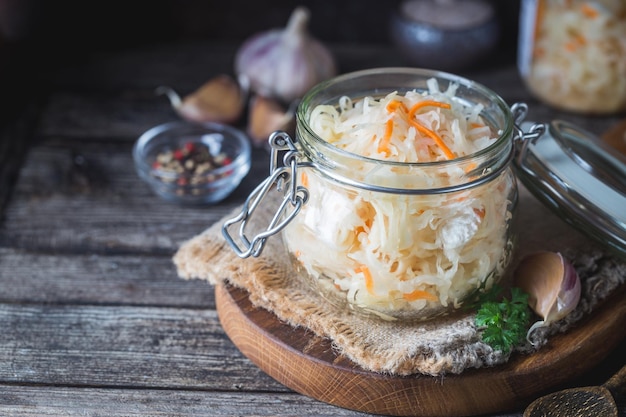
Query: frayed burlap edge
[[437, 347]]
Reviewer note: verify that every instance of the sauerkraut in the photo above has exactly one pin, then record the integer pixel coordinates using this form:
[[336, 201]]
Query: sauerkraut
[[403, 255], [573, 53]]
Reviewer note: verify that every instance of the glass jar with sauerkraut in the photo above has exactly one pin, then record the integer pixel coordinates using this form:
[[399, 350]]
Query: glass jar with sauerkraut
[[402, 189], [572, 53]]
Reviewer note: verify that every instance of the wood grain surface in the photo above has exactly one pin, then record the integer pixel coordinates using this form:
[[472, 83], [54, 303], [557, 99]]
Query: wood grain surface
[[309, 365], [94, 320]]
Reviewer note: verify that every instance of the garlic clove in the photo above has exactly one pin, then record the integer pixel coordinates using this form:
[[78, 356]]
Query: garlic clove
[[552, 284], [266, 116], [285, 63], [221, 99]]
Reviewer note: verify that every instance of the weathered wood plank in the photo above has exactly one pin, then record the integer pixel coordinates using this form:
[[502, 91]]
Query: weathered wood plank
[[122, 347], [111, 96], [101, 205], [27, 277], [56, 401], [186, 65], [124, 115], [182, 65], [121, 116]]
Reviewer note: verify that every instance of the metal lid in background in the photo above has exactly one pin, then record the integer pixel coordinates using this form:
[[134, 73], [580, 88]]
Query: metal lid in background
[[578, 176]]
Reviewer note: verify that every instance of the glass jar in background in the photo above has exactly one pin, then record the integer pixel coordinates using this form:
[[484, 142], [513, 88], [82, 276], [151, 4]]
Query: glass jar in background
[[387, 238], [572, 53]]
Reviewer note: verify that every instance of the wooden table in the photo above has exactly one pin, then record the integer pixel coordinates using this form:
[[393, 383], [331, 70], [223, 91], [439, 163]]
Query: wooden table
[[93, 318]]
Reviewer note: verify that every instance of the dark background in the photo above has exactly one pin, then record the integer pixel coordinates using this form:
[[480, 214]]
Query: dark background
[[39, 36], [84, 25]]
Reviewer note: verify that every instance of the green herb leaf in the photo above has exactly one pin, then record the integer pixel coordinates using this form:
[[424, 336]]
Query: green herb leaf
[[503, 322]]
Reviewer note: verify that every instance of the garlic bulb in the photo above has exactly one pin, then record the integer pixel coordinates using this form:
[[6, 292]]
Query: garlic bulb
[[552, 284], [284, 63]]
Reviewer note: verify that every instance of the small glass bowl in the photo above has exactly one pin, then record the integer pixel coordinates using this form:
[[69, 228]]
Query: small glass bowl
[[192, 163]]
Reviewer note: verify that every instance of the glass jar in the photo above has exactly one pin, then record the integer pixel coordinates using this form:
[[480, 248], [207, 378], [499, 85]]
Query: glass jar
[[396, 240], [572, 53]]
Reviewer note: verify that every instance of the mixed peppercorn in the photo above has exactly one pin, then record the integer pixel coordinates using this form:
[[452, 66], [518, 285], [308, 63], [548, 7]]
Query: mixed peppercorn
[[192, 164]]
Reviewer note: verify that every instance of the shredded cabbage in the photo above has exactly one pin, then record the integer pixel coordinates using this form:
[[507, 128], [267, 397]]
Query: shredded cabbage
[[401, 255], [579, 55]]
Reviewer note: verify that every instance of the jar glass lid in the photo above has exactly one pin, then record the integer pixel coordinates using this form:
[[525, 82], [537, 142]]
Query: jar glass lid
[[578, 176]]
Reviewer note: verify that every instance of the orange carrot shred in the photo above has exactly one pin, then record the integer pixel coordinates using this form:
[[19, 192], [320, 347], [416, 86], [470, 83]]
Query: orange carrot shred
[[393, 105], [541, 11], [539, 52], [480, 212], [425, 131], [589, 11], [383, 146], [419, 295], [425, 103], [369, 281], [304, 179], [434, 136]]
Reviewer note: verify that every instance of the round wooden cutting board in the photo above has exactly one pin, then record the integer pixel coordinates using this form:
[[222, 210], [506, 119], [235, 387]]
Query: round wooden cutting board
[[308, 364]]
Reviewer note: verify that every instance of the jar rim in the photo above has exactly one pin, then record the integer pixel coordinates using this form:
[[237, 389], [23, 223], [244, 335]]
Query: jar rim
[[504, 133]]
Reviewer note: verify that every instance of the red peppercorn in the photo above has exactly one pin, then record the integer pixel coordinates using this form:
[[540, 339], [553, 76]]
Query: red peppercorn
[[192, 165], [189, 146]]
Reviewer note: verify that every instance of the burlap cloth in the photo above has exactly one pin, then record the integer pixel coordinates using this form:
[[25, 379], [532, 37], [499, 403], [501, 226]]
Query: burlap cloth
[[444, 345]]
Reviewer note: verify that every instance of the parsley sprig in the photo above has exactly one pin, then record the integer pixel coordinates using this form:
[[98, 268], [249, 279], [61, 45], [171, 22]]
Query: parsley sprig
[[503, 322]]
